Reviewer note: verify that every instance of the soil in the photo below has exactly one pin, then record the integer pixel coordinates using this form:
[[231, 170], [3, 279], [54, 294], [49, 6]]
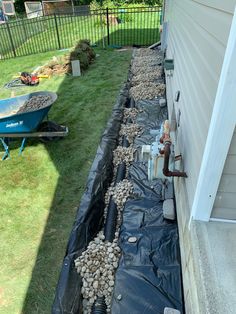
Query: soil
[[62, 65], [55, 68]]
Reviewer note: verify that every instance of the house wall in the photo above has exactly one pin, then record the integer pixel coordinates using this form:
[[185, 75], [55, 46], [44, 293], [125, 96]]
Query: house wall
[[197, 39], [225, 202], [198, 31]]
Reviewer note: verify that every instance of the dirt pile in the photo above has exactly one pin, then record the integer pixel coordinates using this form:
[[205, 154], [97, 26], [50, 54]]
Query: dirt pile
[[56, 66], [62, 65]]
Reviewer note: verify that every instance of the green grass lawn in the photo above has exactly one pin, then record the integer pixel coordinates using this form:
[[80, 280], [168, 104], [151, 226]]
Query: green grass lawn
[[39, 35], [41, 190]]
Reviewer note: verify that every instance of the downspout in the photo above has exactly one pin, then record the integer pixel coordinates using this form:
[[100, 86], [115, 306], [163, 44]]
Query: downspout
[[163, 11]]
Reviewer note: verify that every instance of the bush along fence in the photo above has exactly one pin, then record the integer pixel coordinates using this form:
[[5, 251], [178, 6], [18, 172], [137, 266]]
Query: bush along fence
[[105, 27]]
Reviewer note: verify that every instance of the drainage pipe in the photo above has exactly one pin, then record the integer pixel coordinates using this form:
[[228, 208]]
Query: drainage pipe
[[110, 225], [112, 212], [99, 306], [132, 103]]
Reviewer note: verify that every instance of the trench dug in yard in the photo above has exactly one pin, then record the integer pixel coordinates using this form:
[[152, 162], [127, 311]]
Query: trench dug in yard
[[123, 253]]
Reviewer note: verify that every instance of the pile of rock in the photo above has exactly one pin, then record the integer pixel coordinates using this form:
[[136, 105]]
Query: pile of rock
[[123, 154], [144, 62], [147, 81], [146, 69], [120, 193], [130, 113], [145, 76], [144, 52], [97, 267], [147, 90], [130, 130], [35, 103]]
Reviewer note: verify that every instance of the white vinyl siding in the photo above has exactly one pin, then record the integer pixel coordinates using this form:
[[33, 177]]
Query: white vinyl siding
[[221, 5], [197, 37], [225, 202]]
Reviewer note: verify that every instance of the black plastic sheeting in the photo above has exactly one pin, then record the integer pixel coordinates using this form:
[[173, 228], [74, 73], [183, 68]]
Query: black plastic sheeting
[[89, 219], [148, 278], [149, 273]]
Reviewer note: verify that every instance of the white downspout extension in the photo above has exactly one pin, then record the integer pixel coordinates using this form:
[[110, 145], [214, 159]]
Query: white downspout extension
[[219, 135]]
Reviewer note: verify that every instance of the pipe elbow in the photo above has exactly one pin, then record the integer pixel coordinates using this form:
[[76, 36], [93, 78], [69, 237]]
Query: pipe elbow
[[165, 169], [167, 172]]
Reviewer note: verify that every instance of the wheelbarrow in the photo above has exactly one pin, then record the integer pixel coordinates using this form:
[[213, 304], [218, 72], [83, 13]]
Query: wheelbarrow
[[27, 124]]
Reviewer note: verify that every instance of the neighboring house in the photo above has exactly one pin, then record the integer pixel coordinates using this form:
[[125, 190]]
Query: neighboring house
[[203, 123]]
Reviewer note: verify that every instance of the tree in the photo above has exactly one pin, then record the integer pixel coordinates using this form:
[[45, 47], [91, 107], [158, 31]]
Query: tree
[[19, 6]]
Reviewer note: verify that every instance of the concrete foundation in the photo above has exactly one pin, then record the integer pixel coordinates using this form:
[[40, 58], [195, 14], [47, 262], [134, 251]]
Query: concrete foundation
[[208, 253]]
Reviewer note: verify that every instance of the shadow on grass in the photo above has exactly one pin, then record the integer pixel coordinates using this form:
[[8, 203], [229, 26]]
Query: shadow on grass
[[132, 37], [84, 105]]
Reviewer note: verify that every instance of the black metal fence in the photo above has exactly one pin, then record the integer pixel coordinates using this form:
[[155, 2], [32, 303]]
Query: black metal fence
[[104, 27]]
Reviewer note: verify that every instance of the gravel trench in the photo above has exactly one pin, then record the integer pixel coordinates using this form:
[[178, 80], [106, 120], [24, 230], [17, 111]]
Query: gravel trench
[[97, 265]]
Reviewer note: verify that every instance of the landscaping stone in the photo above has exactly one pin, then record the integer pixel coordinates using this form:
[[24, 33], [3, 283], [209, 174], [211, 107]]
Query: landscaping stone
[[148, 90], [169, 209], [147, 74], [162, 102], [130, 130], [123, 154], [34, 103], [75, 64]]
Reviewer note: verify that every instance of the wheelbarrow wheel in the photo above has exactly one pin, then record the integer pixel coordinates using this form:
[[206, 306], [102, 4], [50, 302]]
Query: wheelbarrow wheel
[[49, 126]]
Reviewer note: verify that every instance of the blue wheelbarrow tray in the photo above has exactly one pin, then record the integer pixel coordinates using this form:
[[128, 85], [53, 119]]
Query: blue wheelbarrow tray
[[11, 122]]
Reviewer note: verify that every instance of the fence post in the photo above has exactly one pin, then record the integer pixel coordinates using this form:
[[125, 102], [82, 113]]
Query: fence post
[[102, 28], [24, 28], [11, 39], [108, 31], [57, 31]]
